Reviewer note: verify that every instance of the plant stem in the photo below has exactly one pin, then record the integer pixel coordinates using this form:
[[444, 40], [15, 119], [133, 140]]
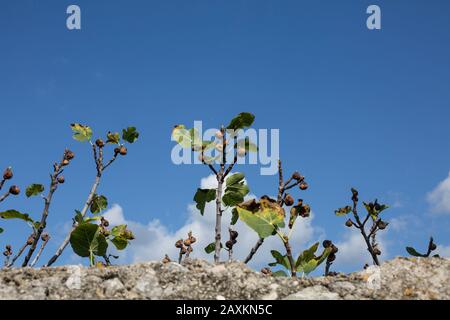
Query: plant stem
[[188, 251], [66, 241], [91, 259], [327, 267], [291, 259], [218, 218], [254, 250], [3, 197], [280, 184], [38, 255], [219, 211], [100, 168], [361, 228], [180, 257], [279, 201], [19, 253], [57, 170]]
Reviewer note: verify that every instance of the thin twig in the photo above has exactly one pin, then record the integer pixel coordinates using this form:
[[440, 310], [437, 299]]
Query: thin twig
[[180, 256], [57, 170], [235, 159], [38, 255], [19, 253], [254, 250], [327, 267], [290, 258], [99, 164], [3, 197], [280, 183], [363, 232]]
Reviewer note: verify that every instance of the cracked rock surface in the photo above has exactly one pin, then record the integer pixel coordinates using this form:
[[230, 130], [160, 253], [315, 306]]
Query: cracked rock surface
[[400, 278]]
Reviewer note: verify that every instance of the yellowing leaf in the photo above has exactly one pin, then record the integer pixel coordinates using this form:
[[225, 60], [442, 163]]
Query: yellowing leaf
[[265, 220], [81, 133]]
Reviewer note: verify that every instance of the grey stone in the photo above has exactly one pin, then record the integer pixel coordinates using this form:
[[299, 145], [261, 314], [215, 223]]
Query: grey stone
[[400, 278]]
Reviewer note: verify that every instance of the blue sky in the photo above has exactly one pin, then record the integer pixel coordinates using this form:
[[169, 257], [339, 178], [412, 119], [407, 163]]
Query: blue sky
[[354, 107]]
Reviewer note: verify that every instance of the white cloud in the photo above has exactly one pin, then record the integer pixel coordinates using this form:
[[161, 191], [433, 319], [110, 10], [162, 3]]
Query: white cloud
[[154, 239], [443, 251], [439, 198], [400, 223], [353, 253]]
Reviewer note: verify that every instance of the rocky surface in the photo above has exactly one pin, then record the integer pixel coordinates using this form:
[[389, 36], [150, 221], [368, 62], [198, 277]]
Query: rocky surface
[[400, 278]]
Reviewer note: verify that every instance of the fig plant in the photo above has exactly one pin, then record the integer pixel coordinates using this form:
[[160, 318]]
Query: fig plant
[[267, 218], [374, 209], [431, 247], [185, 247], [95, 236], [231, 188], [331, 257], [37, 227], [13, 190]]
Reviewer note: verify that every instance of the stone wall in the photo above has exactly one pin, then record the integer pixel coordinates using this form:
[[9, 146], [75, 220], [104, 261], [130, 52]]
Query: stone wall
[[400, 278]]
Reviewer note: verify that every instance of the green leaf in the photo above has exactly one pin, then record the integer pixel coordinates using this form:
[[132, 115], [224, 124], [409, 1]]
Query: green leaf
[[308, 261], [231, 199], [307, 255], [281, 259], [374, 209], [130, 134], [308, 267], [247, 145], [326, 252], [1, 230], [234, 179], [181, 135], [236, 190], [188, 138], [81, 133], [279, 273], [87, 241], [343, 211], [113, 138], [34, 190], [91, 219], [119, 242], [234, 216], [121, 231], [241, 121], [202, 196], [413, 252], [265, 219], [78, 217], [210, 248], [99, 203], [14, 214]]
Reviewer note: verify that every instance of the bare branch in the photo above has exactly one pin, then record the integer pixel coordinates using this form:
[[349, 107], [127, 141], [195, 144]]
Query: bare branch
[[3, 197], [254, 249], [99, 162], [38, 255], [19, 253], [57, 169], [235, 159]]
